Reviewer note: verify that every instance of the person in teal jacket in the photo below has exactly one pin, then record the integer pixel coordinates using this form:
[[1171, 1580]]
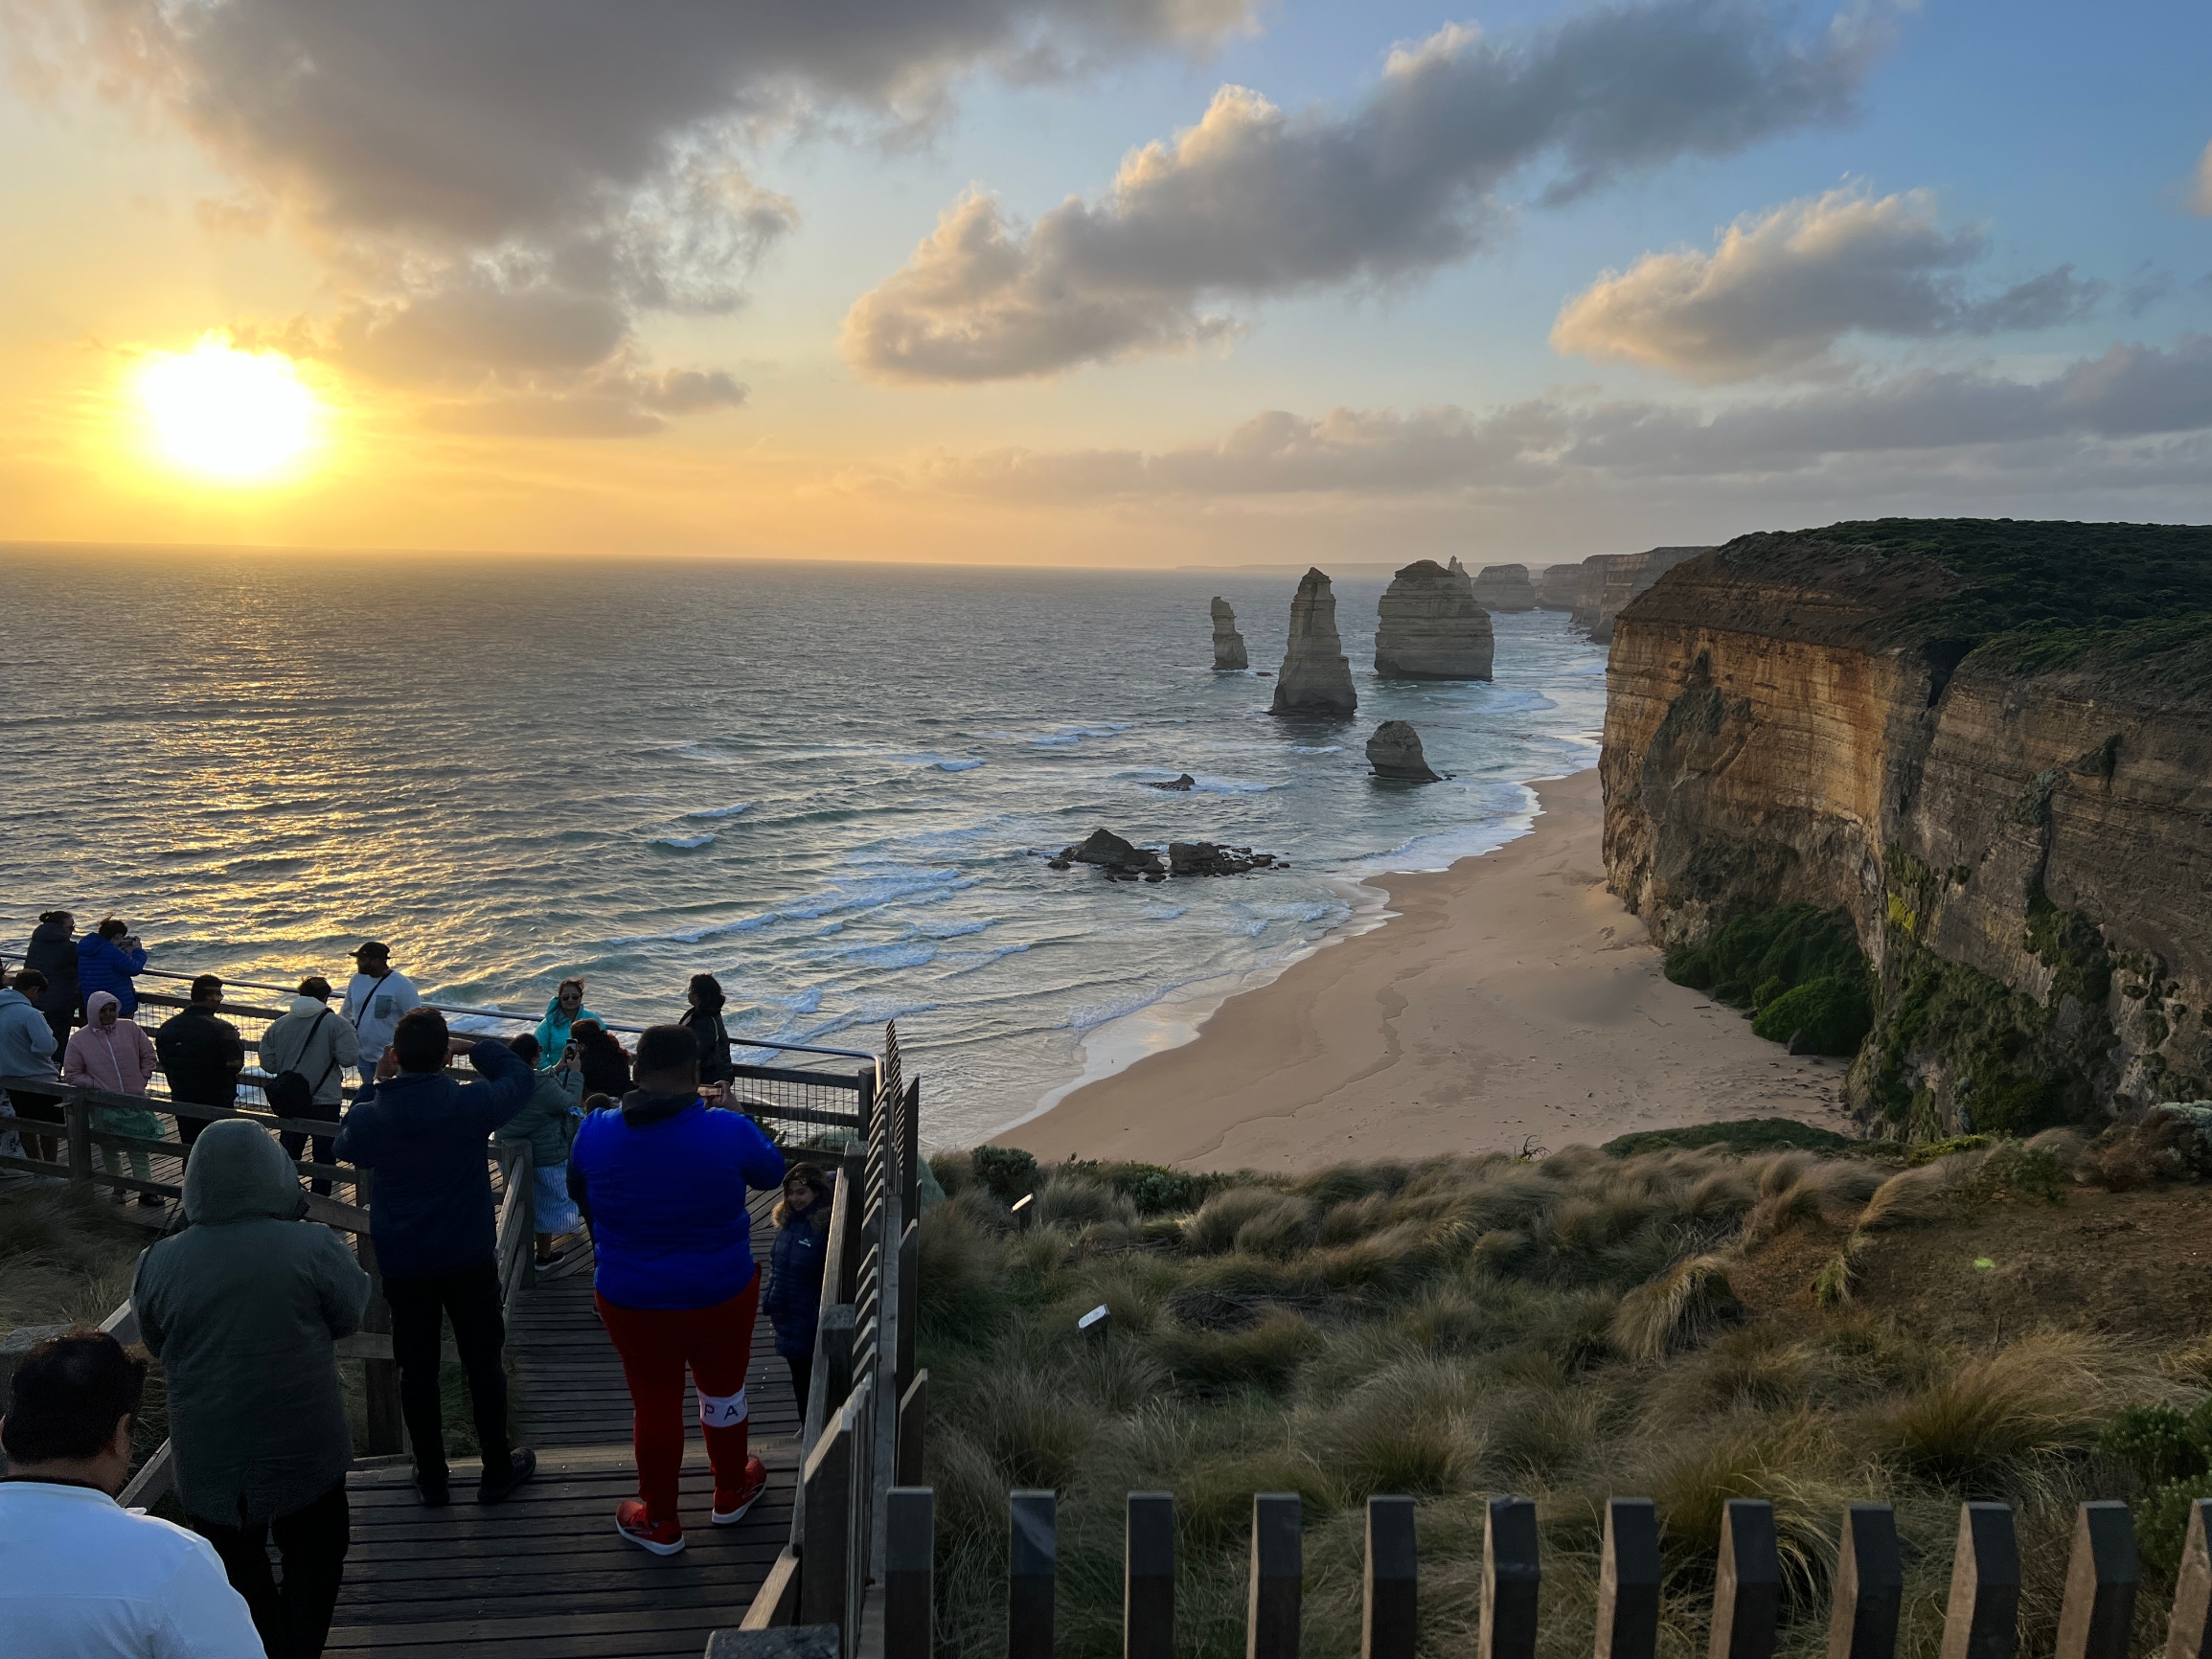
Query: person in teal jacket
[[561, 1015]]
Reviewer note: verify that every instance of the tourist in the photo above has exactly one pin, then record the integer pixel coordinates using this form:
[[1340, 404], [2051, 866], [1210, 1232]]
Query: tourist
[[423, 1133], [111, 1053], [703, 1019], [110, 958], [662, 1181], [201, 1055], [606, 1066], [376, 997], [793, 1302], [27, 1051], [557, 1030], [241, 1308], [53, 952], [547, 1123], [80, 1577], [306, 1053]]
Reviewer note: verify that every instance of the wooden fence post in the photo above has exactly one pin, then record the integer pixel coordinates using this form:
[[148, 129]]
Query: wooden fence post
[[1747, 1592], [1869, 1585], [909, 1299], [1278, 1576], [1389, 1617], [910, 1152], [790, 1642], [1982, 1620], [1628, 1580], [913, 1430], [1148, 1577], [833, 1341], [909, 1555], [78, 1112], [2102, 1578], [384, 1430], [825, 1555], [1512, 1574], [845, 1215], [1033, 1559], [2189, 1631]]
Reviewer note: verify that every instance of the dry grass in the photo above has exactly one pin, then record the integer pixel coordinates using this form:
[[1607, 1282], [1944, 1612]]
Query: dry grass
[[1464, 1327]]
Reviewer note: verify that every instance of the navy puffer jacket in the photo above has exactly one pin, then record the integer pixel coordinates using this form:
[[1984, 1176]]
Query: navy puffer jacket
[[794, 1299]]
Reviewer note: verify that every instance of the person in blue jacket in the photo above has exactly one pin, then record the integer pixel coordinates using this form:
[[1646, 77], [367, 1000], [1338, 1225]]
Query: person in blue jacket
[[110, 959], [793, 1302], [430, 1218], [662, 1180]]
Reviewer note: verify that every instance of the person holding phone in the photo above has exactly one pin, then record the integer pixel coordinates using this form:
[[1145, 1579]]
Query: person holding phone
[[110, 959], [556, 1032], [377, 997]]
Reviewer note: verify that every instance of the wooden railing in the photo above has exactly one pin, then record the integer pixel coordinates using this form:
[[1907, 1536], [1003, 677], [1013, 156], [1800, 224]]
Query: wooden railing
[[1981, 1620], [866, 1406]]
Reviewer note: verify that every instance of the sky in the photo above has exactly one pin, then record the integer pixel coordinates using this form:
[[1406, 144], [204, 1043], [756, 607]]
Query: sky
[[1095, 281]]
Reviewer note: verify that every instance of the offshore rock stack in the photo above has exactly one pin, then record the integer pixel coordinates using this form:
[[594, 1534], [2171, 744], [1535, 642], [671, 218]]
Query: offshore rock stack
[[1315, 678], [1228, 643], [1431, 626], [1503, 587], [1395, 753]]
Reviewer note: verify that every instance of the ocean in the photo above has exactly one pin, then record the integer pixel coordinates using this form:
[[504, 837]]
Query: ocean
[[835, 787]]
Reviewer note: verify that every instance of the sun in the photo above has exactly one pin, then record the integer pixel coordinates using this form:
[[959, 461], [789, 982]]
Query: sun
[[233, 415]]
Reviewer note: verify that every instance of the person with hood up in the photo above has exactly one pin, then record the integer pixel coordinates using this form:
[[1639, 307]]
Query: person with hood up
[[662, 1181], [548, 1122], [558, 1029], [241, 1308], [27, 1051], [423, 1135], [53, 952], [111, 1053], [306, 1053], [109, 958]]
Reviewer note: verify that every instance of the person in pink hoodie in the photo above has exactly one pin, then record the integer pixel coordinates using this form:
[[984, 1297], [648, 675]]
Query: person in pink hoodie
[[111, 1053]]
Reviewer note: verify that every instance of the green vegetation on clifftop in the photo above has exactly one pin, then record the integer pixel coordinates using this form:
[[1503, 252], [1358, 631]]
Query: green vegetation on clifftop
[[1797, 967]]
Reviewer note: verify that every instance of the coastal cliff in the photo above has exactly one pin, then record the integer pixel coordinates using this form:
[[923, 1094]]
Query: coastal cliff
[[1315, 677], [1429, 626], [1558, 587], [1988, 747], [1622, 577], [1503, 587]]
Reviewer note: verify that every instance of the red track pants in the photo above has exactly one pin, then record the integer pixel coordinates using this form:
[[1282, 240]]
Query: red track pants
[[655, 1344]]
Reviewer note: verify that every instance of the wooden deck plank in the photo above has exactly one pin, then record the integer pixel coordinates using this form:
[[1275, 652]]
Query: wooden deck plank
[[544, 1574]]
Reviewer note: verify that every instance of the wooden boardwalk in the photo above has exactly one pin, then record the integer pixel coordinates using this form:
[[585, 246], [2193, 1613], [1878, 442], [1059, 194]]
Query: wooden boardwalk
[[545, 1575]]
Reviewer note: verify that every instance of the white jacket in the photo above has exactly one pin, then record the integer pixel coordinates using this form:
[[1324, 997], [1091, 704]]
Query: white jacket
[[322, 1057], [372, 1007]]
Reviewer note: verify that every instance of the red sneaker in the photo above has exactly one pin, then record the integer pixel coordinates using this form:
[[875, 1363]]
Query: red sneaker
[[730, 1508], [661, 1537]]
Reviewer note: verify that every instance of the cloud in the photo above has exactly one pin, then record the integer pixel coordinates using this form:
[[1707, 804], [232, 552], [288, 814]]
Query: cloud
[[2105, 406], [1253, 201], [2201, 198], [1782, 287], [510, 155]]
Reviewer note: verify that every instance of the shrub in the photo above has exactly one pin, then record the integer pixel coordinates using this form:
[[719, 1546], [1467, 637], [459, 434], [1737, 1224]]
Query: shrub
[[2155, 1442], [1158, 1192], [1977, 1424], [1832, 1013], [1009, 1172], [1264, 1355], [1681, 1309], [1755, 958], [1741, 1135], [1215, 1227]]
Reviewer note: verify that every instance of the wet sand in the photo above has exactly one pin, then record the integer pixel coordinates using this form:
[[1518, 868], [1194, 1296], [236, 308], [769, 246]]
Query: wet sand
[[1508, 1000]]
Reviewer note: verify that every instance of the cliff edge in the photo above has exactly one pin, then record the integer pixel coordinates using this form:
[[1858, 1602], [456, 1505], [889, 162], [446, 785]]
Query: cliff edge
[[1988, 747]]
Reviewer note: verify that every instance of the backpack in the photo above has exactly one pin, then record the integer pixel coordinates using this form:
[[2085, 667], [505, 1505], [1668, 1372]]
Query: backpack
[[290, 1092]]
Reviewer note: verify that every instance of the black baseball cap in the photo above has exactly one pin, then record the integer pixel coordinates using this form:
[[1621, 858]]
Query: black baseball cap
[[370, 948]]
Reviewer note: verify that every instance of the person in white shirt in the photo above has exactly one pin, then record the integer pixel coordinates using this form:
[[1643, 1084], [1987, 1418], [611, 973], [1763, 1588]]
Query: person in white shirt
[[376, 997], [80, 1577]]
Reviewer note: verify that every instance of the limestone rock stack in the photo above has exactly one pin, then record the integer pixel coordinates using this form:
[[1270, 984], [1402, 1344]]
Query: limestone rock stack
[[1560, 587], [1228, 643], [1315, 678], [1395, 751], [1503, 587], [1430, 626]]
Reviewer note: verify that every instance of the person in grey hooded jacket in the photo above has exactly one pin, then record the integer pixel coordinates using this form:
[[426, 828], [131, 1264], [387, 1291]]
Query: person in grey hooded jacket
[[241, 1308]]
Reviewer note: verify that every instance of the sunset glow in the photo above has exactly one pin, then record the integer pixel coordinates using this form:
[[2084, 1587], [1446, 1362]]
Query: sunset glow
[[242, 416]]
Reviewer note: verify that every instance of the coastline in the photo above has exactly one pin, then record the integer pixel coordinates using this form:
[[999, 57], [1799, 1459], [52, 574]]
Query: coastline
[[1507, 999]]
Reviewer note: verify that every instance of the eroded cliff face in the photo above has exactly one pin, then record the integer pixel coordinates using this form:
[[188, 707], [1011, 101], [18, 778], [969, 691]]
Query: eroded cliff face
[[1429, 626], [1622, 577], [1558, 587], [2026, 857], [1503, 587]]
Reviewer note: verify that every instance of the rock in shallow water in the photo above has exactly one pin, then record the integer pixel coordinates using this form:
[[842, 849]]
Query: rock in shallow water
[[1315, 679], [1184, 783], [1106, 848], [1228, 643], [1431, 627], [1395, 753]]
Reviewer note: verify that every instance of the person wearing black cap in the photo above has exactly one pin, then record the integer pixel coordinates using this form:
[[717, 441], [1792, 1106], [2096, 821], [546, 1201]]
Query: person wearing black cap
[[375, 998]]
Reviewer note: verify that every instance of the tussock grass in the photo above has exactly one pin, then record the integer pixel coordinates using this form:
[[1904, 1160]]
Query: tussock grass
[[1462, 1326]]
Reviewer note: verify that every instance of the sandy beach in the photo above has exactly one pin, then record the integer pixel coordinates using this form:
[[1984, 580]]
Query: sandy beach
[[1508, 1000]]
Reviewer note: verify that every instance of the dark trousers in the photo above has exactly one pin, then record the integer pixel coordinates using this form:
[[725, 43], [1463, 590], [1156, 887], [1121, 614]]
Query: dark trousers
[[470, 1296], [295, 1617], [802, 1378], [53, 1148], [294, 1143]]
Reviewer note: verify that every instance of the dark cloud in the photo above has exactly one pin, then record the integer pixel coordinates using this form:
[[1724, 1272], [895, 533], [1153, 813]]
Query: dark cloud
[[2101, 406], [1254, 201], [1782, 287], [565, 162]]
